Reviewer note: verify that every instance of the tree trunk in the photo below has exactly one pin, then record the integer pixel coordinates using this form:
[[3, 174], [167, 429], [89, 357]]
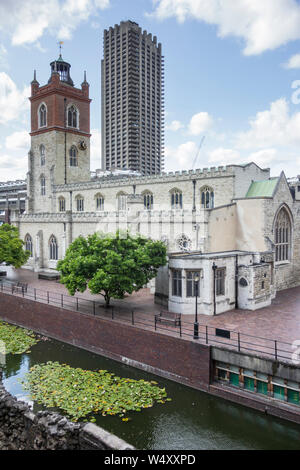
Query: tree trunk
[[107, 300]]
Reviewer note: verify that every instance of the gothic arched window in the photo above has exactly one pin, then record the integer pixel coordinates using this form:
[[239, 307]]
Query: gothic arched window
[[99, 202], [43, 185], [61, 204], [79, 203], [122, 201], [176, 199], [53, 248], [28, 244], [42, 115], [73, 156], [283, 236], [148, 200], [207, 198], [72, 116], [42, 154]]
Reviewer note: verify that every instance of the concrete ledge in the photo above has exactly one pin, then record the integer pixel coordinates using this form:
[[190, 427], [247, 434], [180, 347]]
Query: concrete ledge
[[94, 437], [251, 400]]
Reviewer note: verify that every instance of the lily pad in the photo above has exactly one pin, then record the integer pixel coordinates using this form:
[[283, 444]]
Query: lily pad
[[17, 340], [80, 392]]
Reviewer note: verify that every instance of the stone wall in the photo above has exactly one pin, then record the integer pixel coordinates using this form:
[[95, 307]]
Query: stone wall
[[21, 429]]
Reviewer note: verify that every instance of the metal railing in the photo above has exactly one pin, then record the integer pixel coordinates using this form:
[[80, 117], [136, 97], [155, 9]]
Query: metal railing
[[208, 335]]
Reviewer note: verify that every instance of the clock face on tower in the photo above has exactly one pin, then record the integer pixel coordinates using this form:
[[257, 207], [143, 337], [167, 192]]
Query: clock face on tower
[[82, 145]]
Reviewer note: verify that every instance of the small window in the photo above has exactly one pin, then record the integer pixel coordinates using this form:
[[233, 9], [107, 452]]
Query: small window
[[220, 281], [28, 244], [53, 248], [176, 283], [73, 156], [207, 198], [122, 202], [148, 201], [43, 186], [42, 155], [42, 116], [176, 199], [61, 204], [72, 117], [192, 286], [80, 204], [99, 203]]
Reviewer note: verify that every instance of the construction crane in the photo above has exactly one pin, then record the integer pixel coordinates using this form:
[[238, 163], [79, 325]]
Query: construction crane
[[199, 148]]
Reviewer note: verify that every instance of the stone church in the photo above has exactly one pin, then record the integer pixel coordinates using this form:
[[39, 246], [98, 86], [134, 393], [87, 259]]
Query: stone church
[[232, 232]]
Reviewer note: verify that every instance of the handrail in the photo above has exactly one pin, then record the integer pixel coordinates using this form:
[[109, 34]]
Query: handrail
[[238, 341]]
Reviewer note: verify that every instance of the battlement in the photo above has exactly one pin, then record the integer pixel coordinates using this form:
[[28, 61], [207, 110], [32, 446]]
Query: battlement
[[111, 179]]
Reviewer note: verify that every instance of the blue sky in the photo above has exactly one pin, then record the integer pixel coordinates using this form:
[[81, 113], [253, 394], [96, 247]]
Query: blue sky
[[232, 74]]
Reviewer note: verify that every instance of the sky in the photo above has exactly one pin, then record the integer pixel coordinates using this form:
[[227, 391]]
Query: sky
[[232, 75]]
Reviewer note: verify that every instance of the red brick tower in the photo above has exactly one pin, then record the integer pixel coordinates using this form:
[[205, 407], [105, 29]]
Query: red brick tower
[[60, 135]]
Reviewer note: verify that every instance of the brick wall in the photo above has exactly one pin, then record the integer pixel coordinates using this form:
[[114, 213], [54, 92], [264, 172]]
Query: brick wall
[[178, 359]]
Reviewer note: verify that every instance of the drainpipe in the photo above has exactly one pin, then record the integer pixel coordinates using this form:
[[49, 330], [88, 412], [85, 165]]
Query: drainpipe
[[194, 195], [214, 267], [236, 281]]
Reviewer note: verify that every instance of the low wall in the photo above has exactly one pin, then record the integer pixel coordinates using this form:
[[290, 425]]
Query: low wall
[[272, 367], [21, 429], [175, 358]]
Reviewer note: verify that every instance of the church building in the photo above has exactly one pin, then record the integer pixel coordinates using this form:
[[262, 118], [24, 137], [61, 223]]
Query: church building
[[232, 232]]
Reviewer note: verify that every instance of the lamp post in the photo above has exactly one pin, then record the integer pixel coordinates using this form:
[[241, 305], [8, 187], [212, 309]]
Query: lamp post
[[196, 324]]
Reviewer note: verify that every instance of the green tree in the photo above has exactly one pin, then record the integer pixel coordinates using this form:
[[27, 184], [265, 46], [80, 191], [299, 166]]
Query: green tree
[[111, 265], [11, 247]]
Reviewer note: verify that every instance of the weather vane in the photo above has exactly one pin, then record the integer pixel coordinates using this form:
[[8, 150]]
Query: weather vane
[[60, 44]]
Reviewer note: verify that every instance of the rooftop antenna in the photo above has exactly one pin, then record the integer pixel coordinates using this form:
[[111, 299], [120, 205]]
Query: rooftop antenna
[[199, 148]]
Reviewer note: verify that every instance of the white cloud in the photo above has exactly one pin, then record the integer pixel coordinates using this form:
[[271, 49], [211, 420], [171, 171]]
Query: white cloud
[[174, 126], [181, 157], [13, 102], [13, 167], [265, 157], [200, 123], [26, 21], [293, 62], [276, 126], [263, 25], [18, 140], [224, 156]]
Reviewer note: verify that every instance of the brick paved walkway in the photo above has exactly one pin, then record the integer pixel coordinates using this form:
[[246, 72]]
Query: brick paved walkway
[[280, 321]]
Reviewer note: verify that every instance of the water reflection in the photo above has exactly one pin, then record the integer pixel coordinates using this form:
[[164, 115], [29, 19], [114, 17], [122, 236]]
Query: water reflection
[[192, 420]]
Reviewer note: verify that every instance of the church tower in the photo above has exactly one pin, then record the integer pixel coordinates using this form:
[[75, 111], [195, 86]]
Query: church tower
[[60, 136]]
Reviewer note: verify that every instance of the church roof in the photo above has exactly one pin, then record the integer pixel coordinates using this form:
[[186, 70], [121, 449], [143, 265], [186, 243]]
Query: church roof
[[262, 188]]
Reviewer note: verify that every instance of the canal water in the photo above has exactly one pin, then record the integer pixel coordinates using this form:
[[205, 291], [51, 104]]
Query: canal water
[[193, 420]]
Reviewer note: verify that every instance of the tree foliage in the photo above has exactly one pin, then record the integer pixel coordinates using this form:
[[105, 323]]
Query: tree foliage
[[11, 247], [111, 265]]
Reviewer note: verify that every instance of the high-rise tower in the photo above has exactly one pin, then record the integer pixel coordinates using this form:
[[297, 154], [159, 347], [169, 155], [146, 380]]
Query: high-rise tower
[[132, 100]]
